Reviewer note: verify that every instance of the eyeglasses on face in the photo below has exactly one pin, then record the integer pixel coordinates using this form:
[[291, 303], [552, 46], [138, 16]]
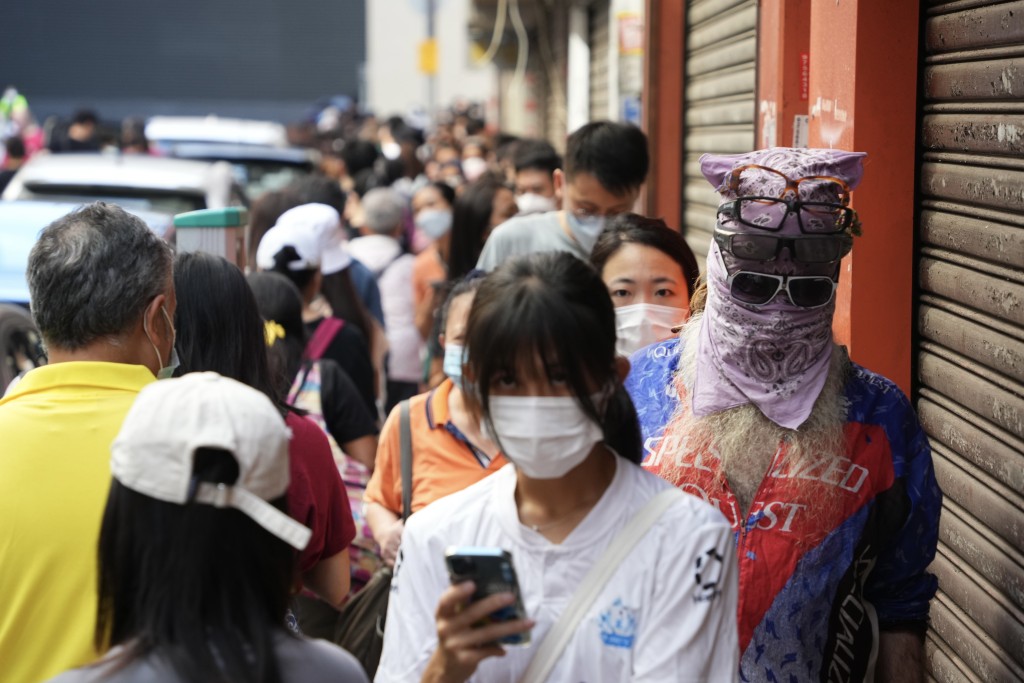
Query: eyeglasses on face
[[770, 213], [753, 247], [758, 289]]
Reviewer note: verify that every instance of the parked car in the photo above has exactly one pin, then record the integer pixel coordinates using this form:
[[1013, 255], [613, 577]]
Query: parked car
[[136, 182], [168, 130], [20, 225], [257, 168]]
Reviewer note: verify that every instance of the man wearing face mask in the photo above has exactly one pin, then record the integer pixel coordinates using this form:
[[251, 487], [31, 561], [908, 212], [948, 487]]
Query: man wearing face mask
[[606, 163], [103, 299], [536, 162], [820, 465]]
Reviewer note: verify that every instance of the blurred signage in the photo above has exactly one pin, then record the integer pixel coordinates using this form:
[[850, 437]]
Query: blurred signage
[[428, 56]]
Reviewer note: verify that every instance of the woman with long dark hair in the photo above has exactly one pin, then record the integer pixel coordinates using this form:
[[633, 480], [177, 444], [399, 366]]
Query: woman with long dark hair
[[545, 382], [196, 551], [319, 388], [483, 205], [224, 333]]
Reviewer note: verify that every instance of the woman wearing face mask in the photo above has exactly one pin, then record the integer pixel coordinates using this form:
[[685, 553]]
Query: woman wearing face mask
[[449, 451], [432, 213], [650, 273], [544, 380]]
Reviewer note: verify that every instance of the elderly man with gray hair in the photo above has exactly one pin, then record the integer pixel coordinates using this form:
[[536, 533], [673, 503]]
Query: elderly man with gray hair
[[381, 251], [102, 295]]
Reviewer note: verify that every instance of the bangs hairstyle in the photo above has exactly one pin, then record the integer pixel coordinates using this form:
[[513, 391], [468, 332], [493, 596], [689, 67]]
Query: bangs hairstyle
[[554, 306], [630, 228]]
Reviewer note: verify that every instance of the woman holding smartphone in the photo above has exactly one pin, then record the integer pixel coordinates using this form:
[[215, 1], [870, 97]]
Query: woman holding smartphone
[[543, 378]]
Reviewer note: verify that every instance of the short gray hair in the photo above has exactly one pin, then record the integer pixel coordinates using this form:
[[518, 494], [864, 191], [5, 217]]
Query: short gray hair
[[383, 209], [93, 272]]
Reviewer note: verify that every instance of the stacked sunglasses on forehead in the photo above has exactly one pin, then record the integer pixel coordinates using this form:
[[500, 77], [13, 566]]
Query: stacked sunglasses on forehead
[[787, 208]]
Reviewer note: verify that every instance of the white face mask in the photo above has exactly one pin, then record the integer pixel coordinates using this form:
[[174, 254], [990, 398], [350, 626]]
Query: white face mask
[[391, 150], [534, 203], [434, 222], [585, 230], [473, 168], [543, 436], [641, 325]]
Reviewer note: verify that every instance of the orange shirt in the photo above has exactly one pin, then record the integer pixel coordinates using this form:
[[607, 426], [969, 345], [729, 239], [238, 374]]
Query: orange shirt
[[443, 461], [426, 270]]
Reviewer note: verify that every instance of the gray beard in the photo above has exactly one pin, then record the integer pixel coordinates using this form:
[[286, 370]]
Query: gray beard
[[745, 441]]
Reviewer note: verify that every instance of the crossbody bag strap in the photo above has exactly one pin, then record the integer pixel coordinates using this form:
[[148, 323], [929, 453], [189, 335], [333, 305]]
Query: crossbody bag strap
[[322, 337], [405, 448], [622, 545]]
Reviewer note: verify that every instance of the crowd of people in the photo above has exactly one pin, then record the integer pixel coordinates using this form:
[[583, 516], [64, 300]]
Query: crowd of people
[[453, 343]]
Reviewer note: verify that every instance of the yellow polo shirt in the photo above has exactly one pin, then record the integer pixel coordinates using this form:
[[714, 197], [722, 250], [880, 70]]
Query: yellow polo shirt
[[56, 427]]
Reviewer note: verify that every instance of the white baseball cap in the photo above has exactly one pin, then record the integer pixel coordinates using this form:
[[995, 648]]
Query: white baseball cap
[[314, 230], [171, 419]]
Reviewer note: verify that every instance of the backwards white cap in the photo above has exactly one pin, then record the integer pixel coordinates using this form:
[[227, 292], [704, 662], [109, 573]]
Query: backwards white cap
[[315, 231], [170, 420]]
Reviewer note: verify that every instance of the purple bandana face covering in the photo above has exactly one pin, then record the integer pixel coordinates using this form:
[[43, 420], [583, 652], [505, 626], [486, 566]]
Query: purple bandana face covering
[[775, 356]]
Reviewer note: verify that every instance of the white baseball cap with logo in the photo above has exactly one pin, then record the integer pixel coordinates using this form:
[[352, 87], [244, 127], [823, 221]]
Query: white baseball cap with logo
[[170, 420]]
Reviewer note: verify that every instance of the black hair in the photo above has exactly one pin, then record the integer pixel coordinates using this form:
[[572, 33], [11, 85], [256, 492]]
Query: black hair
[[630, 228], [206, 588], [614, 153], [467, 285], [85, 116], [344, 300], [279, 301], [471, 219], [316, 189], [263, 214], [365, 180], [536, 155], [556, 305], [218, 324], [301, 277], [446, 191], [358, 155], [15, 147]]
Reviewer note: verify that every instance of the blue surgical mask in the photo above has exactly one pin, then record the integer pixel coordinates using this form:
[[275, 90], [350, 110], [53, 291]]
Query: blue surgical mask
[[454, 357], [166, 371], [586, 229], [434, 222]]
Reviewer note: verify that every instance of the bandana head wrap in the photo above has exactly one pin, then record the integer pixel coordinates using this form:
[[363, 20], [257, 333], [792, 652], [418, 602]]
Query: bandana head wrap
[[775, 356]]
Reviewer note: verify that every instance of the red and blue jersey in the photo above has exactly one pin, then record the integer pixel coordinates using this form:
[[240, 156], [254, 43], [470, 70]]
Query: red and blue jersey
[[834, 549]]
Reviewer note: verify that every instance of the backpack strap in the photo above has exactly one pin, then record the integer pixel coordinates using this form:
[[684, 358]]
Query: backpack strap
[[405, 448], [323, 336]]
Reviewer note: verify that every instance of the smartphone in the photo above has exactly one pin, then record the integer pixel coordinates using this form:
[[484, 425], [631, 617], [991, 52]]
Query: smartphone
[[492, 571]]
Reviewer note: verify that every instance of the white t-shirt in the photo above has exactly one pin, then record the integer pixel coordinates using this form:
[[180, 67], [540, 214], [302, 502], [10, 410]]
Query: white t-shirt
[[667, 614]]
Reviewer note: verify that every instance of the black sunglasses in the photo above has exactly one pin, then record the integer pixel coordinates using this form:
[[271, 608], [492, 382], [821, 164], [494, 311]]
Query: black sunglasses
[[805, 291], [769, 213], [753, 247]]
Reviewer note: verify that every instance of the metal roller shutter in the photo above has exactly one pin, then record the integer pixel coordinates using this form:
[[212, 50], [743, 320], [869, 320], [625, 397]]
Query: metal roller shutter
[[600, 51], [720, 75], [970, 322]]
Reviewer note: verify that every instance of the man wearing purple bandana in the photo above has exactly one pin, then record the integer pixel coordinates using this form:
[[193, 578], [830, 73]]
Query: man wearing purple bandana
[[820, 465]]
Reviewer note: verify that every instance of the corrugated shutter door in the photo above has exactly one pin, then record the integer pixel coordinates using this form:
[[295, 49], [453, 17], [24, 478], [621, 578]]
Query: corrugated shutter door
[[721, 51], [970, 317], [599, 54]]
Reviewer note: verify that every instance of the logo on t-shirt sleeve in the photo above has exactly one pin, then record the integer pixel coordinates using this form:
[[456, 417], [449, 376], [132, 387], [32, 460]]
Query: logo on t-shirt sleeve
[[618, 625], [708, 573]]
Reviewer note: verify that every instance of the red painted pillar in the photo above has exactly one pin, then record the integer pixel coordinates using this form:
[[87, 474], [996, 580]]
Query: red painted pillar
[[663, 108], [863, 97], [783, 58]]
